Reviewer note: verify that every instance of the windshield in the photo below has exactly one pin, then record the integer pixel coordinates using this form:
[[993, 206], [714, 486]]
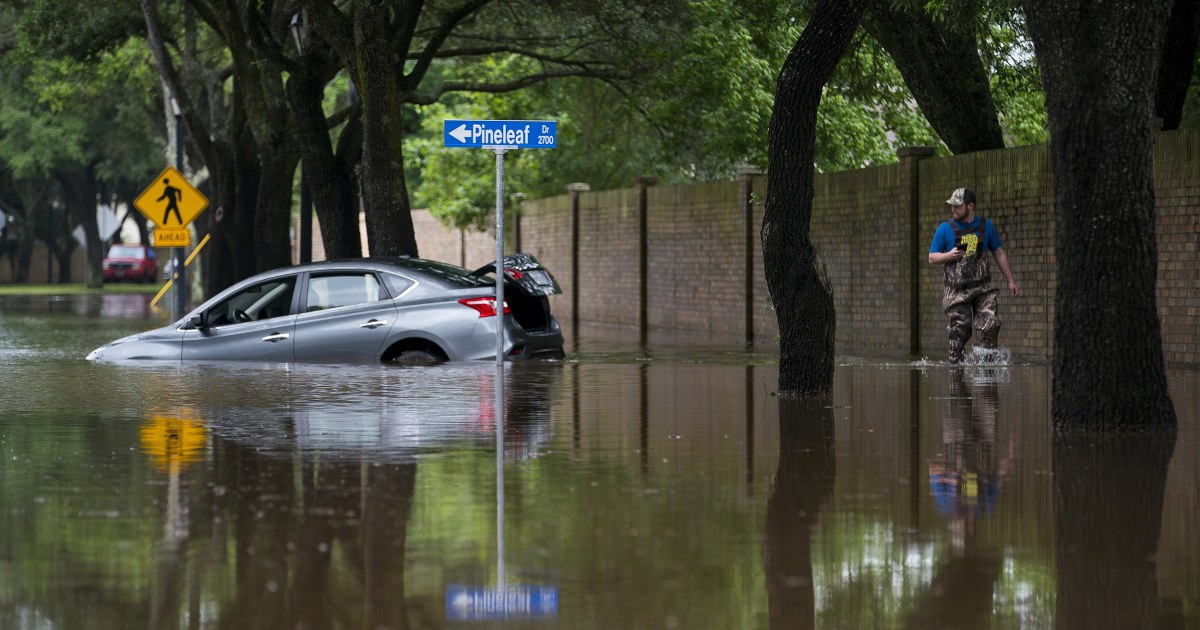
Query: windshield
[[126, 251]]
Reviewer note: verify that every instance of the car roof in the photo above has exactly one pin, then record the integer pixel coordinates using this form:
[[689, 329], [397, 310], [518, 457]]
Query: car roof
[[442, 272]]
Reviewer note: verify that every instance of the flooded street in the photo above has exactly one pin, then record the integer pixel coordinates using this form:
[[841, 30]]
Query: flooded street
[[656, 487]]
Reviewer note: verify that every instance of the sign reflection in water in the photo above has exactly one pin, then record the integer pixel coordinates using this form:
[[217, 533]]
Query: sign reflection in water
[[501, 601]]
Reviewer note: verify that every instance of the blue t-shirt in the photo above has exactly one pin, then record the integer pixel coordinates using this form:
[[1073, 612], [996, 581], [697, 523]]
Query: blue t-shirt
[[944, 239]]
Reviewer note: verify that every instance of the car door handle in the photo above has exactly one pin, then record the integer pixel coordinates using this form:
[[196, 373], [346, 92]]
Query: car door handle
[[374, 323], [276, 337]]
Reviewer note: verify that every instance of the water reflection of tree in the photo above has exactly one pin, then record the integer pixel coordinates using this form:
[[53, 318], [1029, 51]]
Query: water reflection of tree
[[332, 556], [803, 483], [966, 482], [1108, 504]]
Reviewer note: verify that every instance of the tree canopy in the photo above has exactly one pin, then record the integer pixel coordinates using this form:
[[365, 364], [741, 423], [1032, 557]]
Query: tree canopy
[[679, 90]]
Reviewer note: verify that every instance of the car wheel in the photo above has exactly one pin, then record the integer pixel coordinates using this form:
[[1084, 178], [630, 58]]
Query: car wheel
[[417, 357]]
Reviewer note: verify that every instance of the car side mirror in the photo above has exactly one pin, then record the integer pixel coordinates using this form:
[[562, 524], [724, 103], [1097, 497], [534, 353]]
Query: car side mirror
[[199, 322]]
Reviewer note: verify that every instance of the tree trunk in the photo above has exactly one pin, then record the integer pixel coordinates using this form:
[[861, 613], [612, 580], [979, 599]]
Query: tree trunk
[[63, 256], [1098, 63], [385, 195], [23, 260], [80, 186], [942, 69], [1178, 62], [329, 179], [795, 273]]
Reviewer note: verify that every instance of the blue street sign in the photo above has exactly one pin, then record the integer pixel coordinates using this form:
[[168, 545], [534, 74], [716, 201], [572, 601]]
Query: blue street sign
[[466, 602], [509, 134]]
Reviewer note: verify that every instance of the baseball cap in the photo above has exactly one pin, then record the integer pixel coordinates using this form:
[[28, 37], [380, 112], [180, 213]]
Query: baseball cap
[[961, 196]]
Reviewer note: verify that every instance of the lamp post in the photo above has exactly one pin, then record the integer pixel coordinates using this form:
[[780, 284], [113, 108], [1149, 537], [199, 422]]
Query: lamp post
[[181, 286], [297, 28]]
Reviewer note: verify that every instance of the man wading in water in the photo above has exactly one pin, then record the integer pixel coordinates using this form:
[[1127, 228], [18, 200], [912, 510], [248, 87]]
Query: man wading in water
[[962, 244]]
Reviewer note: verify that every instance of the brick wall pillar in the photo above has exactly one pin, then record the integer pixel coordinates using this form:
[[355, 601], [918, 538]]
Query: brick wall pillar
[[910, 201], [746, 192], [640, 186], [573, 192]]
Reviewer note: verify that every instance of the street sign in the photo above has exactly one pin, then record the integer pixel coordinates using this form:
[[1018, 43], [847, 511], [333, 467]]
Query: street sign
[[508, 134], [170, 201], [465, 603]]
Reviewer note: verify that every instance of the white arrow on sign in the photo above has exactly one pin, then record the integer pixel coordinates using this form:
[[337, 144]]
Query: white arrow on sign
[[460, 133]]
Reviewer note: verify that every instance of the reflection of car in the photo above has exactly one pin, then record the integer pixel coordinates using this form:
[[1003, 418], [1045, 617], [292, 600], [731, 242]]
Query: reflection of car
[[394, 309], [130, 262]]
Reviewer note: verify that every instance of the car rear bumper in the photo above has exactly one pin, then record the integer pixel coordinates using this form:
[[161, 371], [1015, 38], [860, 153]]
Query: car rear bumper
[[544, 344]]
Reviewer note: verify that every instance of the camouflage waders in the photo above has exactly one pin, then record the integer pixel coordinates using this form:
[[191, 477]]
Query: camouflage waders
[[969, 296]]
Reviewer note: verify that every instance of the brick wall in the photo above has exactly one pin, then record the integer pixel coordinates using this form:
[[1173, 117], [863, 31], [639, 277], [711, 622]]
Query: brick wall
[[1177, 190], [872, 227]]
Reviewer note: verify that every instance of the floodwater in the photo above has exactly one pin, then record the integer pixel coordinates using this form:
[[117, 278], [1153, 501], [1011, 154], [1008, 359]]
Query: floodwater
[[640, 487]]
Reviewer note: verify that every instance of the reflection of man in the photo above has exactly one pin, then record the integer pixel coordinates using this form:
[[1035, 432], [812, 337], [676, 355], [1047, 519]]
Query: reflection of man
[[172, 195], [966, 481]]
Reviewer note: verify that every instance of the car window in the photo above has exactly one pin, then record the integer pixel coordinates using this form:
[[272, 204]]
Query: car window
[[342, 289], [448, 273], [256, 303], [397, 285], [126, 251]]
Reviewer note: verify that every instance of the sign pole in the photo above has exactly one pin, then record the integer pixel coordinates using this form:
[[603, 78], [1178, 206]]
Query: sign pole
[[500, 365], [180, 270], [500, 136]]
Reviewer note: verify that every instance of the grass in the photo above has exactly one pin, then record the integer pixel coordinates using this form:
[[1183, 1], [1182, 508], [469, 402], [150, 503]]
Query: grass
[[75, 289]]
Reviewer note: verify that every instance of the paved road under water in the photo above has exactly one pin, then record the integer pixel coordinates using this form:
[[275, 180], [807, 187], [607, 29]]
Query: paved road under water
[[656, 487]]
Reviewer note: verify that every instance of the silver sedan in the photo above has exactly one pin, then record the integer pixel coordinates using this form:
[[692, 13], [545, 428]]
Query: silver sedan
[[406, 310]]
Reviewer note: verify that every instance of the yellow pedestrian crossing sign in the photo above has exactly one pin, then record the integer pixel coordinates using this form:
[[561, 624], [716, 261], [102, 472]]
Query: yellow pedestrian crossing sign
[[170, 201]]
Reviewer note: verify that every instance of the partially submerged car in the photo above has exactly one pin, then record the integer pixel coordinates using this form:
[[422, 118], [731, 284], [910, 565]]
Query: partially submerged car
[[130, 262], [406, 310]]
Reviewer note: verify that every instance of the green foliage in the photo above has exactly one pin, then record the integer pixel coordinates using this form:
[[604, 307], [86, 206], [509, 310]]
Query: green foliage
[[1016, 83], [867, 113], [78, 30]]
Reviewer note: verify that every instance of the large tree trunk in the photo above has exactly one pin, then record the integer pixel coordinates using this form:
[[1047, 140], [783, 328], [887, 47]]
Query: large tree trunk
[[941, 66], [1178, 62], [385, 195], [796, 278], [1098, 63], [329, 178]]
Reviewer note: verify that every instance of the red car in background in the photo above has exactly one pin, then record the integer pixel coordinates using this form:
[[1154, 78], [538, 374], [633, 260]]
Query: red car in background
[[136, 263]]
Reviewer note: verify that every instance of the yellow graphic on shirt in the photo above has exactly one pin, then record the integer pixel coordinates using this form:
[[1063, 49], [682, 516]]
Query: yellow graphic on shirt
[[972, 242]]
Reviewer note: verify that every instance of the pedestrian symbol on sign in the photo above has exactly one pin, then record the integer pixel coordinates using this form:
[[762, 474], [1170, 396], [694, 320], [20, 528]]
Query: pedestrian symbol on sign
[[172, 195]]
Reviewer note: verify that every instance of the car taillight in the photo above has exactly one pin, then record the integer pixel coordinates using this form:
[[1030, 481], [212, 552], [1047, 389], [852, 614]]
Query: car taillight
[[485, 305]]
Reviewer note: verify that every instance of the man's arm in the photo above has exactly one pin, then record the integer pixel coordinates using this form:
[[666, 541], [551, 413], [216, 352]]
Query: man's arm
[[1002, 261], [941, 258]]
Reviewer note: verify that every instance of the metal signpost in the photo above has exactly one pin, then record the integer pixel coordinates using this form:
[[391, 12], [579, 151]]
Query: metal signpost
[[500, 136]]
